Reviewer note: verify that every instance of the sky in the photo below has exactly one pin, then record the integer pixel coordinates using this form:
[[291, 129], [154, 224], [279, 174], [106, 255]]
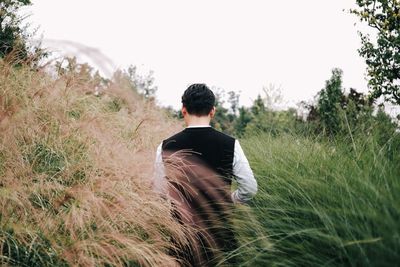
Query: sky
[[235, 45]]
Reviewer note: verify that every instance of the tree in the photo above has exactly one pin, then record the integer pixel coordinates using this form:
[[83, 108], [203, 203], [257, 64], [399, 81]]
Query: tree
[[233, 101], [143, 84], [336, 112], [241, 122], [258, 106], [383, 55], [329, 102], [222, 120], [12, 35]]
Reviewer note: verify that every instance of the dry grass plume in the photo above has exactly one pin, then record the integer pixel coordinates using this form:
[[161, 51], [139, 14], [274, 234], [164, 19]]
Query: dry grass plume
[[76, 170]]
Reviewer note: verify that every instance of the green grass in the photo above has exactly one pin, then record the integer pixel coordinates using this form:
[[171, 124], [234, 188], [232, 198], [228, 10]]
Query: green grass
[[36, 250], [325, 203]]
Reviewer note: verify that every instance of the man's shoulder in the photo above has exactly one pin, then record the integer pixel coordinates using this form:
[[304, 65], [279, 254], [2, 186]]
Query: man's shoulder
[[172, 137], [224, 135]]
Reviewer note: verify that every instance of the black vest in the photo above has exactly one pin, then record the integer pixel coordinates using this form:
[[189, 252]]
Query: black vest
[[212, 147], [208, 199]]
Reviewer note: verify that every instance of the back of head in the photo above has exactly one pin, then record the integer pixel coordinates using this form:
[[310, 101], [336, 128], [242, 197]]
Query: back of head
[[198, 100]]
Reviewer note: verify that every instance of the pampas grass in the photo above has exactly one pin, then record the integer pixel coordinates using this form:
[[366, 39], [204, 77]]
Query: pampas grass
[[76, 173]]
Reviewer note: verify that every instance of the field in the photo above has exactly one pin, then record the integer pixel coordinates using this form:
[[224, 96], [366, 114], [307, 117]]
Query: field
[[76, 171]]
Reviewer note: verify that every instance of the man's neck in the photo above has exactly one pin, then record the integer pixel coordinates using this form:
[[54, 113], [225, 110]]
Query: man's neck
[[195, 121]]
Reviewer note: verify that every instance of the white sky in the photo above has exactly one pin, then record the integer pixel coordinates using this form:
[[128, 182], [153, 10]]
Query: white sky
[[239, 45]]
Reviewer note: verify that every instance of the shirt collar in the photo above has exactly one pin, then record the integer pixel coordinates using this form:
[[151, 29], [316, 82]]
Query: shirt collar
[[199, 126]]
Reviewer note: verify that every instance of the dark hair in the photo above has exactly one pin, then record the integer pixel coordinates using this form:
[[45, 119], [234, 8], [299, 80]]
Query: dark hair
[[198, 99]]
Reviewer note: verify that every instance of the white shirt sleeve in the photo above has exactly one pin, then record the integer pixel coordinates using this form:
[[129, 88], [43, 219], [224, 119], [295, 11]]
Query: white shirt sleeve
[[247, 184], [159, 183]]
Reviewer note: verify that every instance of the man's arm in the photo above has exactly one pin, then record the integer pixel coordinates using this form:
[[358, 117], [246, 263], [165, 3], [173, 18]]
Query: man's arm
[[247, 184], [159, 183]]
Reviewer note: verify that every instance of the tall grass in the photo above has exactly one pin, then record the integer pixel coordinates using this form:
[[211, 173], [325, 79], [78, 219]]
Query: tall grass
[[326, 203], [76, 171]]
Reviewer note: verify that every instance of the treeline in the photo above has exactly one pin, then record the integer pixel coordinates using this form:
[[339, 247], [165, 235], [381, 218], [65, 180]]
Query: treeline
[[335, 112]]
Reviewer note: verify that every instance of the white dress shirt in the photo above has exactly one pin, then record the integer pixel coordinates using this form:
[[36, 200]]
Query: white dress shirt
[[247, 184]]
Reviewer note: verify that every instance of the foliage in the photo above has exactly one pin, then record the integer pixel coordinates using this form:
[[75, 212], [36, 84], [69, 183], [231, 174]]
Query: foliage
[[261, 116], [334, 114], [329, 102], [243, 119], [325, 203], [11, 34], [273, 122], [14, 36], [233, 101], [224, 117], [258, 106], [81, 75], [267, 117], [337, 113], [357, 108], [144, 84], [383, 54]]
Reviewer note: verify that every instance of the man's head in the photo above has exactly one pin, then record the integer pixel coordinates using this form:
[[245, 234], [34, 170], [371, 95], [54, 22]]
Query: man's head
[[198, 101], [198, 104]]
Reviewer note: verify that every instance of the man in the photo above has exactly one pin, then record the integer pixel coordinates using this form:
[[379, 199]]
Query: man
[[205, 160]]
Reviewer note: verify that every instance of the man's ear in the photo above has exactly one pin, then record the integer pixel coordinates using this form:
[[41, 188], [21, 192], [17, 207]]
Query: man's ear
[[184, 111], [212, 112]]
